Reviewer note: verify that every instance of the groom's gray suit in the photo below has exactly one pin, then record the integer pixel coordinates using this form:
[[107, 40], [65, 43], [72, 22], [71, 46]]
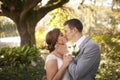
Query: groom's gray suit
[[85, 64]]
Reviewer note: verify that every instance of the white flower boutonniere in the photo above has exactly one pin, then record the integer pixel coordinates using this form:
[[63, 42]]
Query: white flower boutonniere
[[75, 51]]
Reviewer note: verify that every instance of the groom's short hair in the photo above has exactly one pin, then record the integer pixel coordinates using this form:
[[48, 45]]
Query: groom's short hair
[[74, 23]]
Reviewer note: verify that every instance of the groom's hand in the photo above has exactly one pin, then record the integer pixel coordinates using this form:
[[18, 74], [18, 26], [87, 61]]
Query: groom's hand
[[62, 48]]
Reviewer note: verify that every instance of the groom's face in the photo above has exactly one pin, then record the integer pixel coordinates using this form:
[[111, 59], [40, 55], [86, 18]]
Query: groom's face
[[69, 34]]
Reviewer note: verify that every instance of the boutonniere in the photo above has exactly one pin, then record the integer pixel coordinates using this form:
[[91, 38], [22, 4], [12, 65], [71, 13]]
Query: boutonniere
[[75, 51]]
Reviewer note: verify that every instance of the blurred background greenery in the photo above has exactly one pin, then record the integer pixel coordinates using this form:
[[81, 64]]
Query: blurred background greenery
[[101, 20]]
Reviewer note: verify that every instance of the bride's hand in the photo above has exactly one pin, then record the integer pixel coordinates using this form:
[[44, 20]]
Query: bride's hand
[[67, 59]]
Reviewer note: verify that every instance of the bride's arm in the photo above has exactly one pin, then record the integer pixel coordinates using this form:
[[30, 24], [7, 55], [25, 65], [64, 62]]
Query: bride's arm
[[52, 69]]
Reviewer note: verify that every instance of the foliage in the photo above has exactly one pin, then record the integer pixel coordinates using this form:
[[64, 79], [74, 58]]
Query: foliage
[[99, 19], [40, 37], [59, 16], [110, 57], [7, 27], [21, 63]]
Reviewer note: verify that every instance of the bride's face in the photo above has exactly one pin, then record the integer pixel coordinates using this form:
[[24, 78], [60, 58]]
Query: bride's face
[[61, 45], [61, 39]]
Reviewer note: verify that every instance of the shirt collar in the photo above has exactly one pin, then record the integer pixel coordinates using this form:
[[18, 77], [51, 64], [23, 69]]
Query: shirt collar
[[78, 43]]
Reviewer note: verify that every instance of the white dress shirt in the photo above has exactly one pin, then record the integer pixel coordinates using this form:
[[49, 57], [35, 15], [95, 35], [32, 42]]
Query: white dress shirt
[[79, 42]]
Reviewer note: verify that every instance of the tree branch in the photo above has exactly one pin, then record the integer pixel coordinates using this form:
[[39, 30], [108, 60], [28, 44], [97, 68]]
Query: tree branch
[[8, 8], [3, 11], [52, 2], [44, 10], [28, 5], [82, 2], [1, 0], [115, 3]]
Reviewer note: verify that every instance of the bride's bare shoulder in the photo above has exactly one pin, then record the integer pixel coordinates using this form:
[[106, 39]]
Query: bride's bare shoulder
[[51, 61]]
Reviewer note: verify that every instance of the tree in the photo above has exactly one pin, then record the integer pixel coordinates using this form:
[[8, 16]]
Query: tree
[[26, 14]]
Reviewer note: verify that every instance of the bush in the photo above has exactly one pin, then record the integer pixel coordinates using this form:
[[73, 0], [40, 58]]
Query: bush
[[21, 63], [110, 57]]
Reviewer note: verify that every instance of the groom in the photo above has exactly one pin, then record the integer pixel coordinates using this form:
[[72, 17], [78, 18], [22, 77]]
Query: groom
[[85, 65]]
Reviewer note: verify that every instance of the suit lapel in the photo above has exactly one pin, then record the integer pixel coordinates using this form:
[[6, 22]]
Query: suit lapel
[[83, 43]]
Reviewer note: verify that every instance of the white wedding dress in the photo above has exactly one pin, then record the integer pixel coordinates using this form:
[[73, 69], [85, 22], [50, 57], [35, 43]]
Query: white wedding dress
[[60, 62]]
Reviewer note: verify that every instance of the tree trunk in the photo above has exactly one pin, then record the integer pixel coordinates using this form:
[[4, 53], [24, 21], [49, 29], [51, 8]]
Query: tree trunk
[[24, 14], [27, 33]]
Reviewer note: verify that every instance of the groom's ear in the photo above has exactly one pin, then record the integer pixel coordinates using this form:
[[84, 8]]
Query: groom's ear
[[75, 30]]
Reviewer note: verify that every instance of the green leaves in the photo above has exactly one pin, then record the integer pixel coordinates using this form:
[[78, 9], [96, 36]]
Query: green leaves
[[21, 63], [110, 57]]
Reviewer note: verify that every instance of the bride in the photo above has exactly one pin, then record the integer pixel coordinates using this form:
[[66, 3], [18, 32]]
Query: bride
[[57, 62]]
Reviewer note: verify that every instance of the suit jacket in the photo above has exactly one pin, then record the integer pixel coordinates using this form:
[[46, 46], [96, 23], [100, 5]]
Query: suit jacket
[[85, 64]]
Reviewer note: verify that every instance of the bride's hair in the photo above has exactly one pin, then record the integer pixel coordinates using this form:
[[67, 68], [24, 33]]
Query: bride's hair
[[51, 38]]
